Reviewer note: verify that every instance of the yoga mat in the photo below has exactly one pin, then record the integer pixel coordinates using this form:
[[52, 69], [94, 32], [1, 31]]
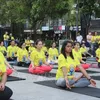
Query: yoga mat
[[96, 77], [12, 62], [93, 59], [55, 68], [13, 78], [23, 66], [94, 92], [46, 74], [54, 74], [90, 71]]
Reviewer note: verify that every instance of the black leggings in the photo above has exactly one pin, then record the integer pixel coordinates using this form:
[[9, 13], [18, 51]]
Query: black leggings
[[23, 64], [6, 94]]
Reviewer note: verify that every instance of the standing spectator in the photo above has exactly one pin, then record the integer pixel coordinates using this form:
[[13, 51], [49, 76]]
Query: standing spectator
[[6, 37], [79, 38]]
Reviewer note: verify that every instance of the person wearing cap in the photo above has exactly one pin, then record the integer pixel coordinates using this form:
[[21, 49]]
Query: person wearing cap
[[27, 42], [31, 47]]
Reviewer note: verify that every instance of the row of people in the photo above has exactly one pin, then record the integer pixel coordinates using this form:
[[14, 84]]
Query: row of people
[[13, 50], [68, 60], [22, 55]]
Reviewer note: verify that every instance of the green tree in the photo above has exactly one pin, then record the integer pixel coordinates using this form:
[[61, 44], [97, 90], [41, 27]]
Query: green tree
[[35, 11], [88, 8]]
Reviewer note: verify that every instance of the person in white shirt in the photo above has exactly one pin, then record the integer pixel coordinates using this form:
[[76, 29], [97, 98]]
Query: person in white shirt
[[79, 38]]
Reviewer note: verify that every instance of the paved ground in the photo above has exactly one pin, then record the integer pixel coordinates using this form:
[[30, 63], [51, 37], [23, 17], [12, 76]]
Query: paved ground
[[27, 90]]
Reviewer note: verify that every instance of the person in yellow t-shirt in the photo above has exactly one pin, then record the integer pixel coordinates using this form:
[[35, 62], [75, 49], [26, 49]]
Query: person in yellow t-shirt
[[78, 56], [44, 48], [84, 51], [53, 53], [99, 39], [3, 49], [11, 52], [65, 76], [6, 38], [38, 60], [22, 56], [31, 47], [98, 55], [27, 42], [11, 38], [6, 92]]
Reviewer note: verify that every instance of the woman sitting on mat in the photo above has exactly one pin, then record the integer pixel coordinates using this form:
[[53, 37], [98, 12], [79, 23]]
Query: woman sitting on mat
[[98, 55], [78, 56], [3, 49], [5, 92], [38, 60], [31, 47], [44, 48], [53, 54], [66, 70], [84, 52], [22, 56], [11, 52]]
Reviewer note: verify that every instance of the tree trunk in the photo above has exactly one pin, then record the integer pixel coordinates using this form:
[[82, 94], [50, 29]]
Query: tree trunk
[[85, 24], [17, 29]]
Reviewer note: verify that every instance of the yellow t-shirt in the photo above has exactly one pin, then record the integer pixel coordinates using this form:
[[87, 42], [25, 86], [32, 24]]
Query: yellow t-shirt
[[53, 53], [93, 39], [98, 39], [30, 49], [83, 50], [27, 42], [6, 37], [22, 54], [70, 65], [44, 49], [38, 57], [77, 56], [11, 51], [98, 54], [3, 49], [2, 64], [12, 38]]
